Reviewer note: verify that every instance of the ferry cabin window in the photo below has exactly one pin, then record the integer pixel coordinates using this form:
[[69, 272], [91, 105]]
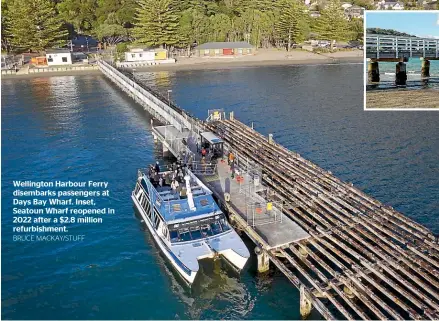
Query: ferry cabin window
[[156, 221], [136, 190], [196, 233], [174, 236], [216, 227], [143, 202], [50, 59], [185, 235], [206, 231], [64, 59], [224, 224]]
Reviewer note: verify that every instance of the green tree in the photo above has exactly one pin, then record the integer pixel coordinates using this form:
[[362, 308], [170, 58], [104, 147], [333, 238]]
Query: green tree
[[220, 25], [111, 34], [332, 25], [191, 27], [357, 29], [6, 25], [122, 11], [36, 25], [255, 26], [79, 13], [292, 25], [157, 23]]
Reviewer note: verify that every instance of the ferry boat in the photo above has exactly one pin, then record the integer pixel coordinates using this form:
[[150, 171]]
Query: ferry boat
[[187, 226]]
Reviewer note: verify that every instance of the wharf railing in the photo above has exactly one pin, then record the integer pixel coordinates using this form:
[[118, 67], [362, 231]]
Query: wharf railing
[[384, 46]]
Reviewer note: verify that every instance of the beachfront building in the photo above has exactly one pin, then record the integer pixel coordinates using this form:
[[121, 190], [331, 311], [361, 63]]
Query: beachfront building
[[145, 54], [354, 11], [389, 5], [8, 61], [236, 48], [58, 57]]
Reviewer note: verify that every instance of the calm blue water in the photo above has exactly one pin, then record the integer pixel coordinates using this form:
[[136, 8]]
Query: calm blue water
[[82, 127]]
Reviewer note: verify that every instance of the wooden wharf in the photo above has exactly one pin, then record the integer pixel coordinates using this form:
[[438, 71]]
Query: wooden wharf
[[365, 258], [349, 255]]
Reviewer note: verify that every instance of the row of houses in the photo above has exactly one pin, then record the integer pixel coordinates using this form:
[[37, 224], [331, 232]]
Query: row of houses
[[353, 11]]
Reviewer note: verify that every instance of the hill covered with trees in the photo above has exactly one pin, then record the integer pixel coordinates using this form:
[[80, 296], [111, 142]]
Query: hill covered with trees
[[390, 32], [38, 24]]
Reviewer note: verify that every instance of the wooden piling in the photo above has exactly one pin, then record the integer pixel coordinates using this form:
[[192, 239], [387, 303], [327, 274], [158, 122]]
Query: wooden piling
[[425, 69], [401, 74], [373, 71]]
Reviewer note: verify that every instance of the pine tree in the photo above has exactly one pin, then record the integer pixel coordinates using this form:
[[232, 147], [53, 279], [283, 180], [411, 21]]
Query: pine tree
[[191, 26], [332, 25], [157, 23], [292, 24], [80, 13], [35, 25], [6, 25]]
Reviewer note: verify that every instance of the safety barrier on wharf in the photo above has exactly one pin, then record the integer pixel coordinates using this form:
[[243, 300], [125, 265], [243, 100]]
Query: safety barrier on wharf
[[349, 255]]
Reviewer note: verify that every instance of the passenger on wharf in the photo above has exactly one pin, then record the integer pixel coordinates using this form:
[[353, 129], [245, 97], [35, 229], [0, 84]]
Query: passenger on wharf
[[232, 168], [231, 157], [157, 167], [203, 153]]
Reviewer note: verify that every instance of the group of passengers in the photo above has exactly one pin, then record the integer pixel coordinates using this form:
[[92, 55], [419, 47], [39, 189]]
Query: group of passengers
[[173, 177], [206, 150]]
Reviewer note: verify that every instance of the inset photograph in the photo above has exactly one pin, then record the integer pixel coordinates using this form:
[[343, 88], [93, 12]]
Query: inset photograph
[[402, 60]]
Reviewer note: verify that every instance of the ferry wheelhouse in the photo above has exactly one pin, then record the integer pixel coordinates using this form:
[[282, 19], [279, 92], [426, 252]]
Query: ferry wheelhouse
[[187, 226]]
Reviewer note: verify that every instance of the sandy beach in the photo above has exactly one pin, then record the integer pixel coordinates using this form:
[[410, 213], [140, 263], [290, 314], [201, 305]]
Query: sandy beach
[[403, 98], [264, 57]]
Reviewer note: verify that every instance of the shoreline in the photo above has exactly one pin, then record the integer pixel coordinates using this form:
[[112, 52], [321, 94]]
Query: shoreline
[[249, 63], [207, 65], [52, 74], [403, 98]]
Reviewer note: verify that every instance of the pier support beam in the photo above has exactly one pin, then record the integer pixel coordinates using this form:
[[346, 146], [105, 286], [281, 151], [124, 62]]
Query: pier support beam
[[263, 260], [401, 74], [373, 71], [425, 69], [305, 304]]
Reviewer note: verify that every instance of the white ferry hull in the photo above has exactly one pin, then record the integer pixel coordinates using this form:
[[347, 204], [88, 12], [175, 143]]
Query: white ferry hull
[[236, 260], [188, 276]]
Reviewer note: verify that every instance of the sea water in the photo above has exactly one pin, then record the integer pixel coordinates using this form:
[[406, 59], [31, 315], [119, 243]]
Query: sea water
[[83, 128]]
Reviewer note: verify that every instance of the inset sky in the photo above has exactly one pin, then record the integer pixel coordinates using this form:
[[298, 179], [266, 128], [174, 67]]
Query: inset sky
[[421, 24]]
